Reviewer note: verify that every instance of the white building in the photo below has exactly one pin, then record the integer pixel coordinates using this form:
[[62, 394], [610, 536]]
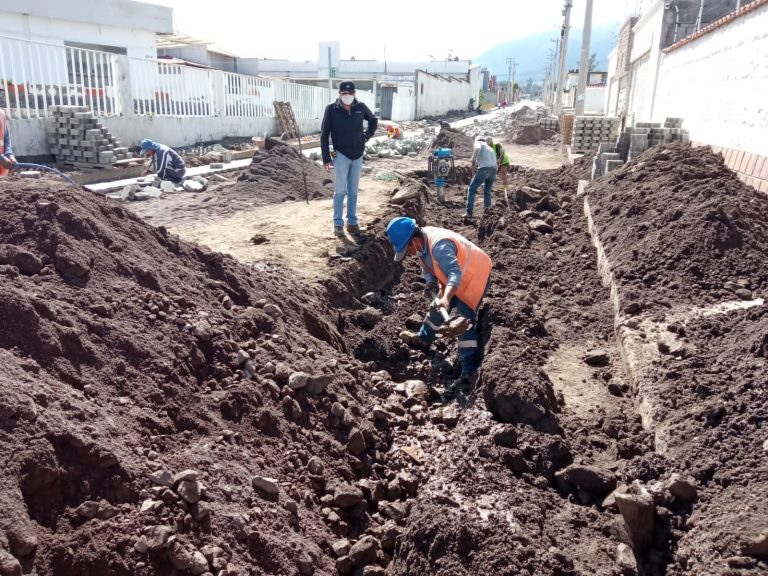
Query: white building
[[704, 63], [115, 26]]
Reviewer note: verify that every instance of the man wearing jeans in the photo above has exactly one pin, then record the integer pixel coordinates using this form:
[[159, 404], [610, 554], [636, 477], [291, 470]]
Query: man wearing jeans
[[484, 166], [343, 123]]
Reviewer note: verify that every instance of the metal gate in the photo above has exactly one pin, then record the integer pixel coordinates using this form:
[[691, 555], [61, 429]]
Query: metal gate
[[387, 94]]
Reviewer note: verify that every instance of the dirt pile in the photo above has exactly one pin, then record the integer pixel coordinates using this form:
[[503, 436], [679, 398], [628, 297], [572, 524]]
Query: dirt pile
[[166, 410], [530, 134], [455, 139], [275, 175], [682, 228]]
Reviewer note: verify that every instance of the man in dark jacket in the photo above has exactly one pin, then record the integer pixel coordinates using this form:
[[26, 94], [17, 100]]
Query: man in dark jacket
[[343, 122], [166, 162]]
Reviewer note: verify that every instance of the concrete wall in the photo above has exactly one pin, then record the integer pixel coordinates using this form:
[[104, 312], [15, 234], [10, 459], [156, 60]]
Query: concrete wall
[[116, 23], [28, 136], [113, 13], [436, 95], [645, 61], [718, 83], [594, 99], [403, 107]]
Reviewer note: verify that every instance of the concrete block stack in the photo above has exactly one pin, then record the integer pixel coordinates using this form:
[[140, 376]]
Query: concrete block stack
[[590, 131], [637, 139], [549, 123], [76, 137], [634, 141], [606, 160]]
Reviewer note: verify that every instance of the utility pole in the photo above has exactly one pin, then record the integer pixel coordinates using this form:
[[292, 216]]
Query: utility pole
[[581, 91], [511, 70], [560, 84]]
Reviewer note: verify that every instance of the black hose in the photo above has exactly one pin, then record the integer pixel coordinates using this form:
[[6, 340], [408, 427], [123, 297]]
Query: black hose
[[22, 165]]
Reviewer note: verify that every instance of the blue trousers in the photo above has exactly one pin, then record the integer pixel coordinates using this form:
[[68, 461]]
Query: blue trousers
[[347, 179], [469, 348], [485, 176]]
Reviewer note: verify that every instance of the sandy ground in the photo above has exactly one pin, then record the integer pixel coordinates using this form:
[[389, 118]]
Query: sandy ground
[[299, 234]]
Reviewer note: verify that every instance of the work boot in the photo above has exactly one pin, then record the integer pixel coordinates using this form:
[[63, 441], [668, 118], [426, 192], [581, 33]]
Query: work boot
[[354, 229], [413, 340], [468, 217], [465, 382], [338, 231]]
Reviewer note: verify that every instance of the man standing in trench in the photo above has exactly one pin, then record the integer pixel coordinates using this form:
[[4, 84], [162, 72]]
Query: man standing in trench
[[458, 271], [484, 168], [343, 123]]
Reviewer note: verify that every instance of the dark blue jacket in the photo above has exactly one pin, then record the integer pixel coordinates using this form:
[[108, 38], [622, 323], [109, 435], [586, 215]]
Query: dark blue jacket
[[345, 128]]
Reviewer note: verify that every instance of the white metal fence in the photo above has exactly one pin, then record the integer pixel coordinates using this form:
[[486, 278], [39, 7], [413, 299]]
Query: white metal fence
[[165, 89], [35, 76]]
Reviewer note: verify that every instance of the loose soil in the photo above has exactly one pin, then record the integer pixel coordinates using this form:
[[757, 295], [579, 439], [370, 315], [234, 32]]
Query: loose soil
[[683, 229], [461, 144], [307, 439]]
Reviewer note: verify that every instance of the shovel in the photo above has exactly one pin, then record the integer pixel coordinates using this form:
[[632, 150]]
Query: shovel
[[453, 324]]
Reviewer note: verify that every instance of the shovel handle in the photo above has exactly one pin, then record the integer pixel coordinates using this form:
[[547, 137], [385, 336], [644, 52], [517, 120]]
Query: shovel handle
[[443, 311]]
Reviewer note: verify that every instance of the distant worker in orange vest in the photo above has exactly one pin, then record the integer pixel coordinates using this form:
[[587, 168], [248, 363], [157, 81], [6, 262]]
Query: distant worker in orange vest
[[458, 271], [7, 159], [394, 132]]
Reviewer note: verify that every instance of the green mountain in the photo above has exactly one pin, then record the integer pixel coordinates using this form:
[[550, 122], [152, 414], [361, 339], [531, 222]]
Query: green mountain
[[532, 52]]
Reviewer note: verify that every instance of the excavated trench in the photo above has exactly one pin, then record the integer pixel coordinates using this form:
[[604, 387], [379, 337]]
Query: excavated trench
[[524, 467], [524, 462], [232, 420]]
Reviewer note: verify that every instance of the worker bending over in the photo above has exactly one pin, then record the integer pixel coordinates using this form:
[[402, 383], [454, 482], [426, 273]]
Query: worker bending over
[[7, 159], [166, 162], [458, 271], [502, 161]]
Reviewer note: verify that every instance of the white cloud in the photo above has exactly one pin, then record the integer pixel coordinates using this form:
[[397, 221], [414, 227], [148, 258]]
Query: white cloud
[[408, 29]]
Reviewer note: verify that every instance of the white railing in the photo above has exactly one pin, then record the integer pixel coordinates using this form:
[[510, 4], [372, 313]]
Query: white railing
[[248, 96], [35, 76], [305, 100], [164, 89]]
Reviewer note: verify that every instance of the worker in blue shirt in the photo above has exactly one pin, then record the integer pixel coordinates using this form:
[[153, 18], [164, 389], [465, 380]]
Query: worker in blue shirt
[[7, 159], [457, 271], [166, 162]]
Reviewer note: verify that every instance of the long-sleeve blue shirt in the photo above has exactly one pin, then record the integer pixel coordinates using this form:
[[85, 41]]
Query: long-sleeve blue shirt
[[445, 254], [7, 140]]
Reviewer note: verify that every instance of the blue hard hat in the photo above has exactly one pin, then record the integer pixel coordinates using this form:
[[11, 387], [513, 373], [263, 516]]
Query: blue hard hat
[[400, 231]]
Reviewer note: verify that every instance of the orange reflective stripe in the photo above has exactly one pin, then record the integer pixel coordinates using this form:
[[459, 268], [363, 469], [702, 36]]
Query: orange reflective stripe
[[474, 263]]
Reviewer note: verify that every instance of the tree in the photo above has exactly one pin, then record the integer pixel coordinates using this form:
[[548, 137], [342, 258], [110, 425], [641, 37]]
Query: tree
[[593, 62]]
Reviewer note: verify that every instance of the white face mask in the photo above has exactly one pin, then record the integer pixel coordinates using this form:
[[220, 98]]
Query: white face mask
[[347, 99]]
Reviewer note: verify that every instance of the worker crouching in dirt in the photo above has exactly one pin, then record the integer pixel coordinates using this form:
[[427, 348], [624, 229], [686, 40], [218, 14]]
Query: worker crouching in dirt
[[7, 159], [461, 270], [166, 162]]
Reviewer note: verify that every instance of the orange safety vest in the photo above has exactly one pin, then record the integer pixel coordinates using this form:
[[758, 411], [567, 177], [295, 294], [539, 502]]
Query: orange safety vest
[[474, 263], [3, 171]]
